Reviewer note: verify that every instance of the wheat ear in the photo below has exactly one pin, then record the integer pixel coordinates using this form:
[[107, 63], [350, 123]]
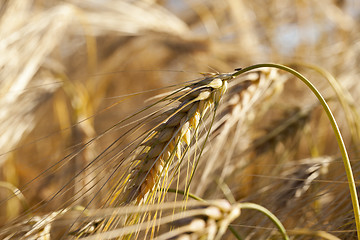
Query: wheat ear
[[166, 141], [211, 222]]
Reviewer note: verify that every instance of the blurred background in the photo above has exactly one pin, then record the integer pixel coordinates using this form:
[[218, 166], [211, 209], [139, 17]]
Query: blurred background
[[67, 69]]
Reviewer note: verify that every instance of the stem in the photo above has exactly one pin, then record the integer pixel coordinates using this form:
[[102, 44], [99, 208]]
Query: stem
[[351, 114], [183, 193], [271, 216], [344, 154], [235, 233]]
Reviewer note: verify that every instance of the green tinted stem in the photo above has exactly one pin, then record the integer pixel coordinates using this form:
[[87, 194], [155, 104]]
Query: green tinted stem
[[344, 154], [271, 216]]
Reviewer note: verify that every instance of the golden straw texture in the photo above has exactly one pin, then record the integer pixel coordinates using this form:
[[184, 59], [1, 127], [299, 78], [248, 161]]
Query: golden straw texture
[[167, 141]]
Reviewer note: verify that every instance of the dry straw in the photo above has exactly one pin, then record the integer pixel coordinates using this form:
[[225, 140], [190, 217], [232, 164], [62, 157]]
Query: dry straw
[[160, 153], [44, 42]]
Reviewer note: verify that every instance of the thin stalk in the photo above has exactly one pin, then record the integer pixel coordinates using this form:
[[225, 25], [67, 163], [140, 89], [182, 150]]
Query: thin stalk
[[351, 114], [344, 154], [183, 193], [269, 214], [235, 233]]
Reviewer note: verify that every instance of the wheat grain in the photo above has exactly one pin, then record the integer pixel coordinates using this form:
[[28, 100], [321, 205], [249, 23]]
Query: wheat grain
[[167, 140]]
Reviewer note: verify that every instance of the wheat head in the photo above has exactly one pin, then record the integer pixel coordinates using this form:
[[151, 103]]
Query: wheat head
[[167, 141]]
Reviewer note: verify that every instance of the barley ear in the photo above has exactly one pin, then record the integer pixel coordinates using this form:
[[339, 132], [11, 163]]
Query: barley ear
[[167, 142]]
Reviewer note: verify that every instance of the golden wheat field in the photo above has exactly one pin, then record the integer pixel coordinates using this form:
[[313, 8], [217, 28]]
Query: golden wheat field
[[166, 119]]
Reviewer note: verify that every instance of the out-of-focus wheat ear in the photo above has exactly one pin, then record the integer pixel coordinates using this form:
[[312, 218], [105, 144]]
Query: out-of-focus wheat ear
[[17, 40], [69, 223], [168, 140], [237, 111], [283, 129], [299, 179], [36, 228], [211, 222]]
